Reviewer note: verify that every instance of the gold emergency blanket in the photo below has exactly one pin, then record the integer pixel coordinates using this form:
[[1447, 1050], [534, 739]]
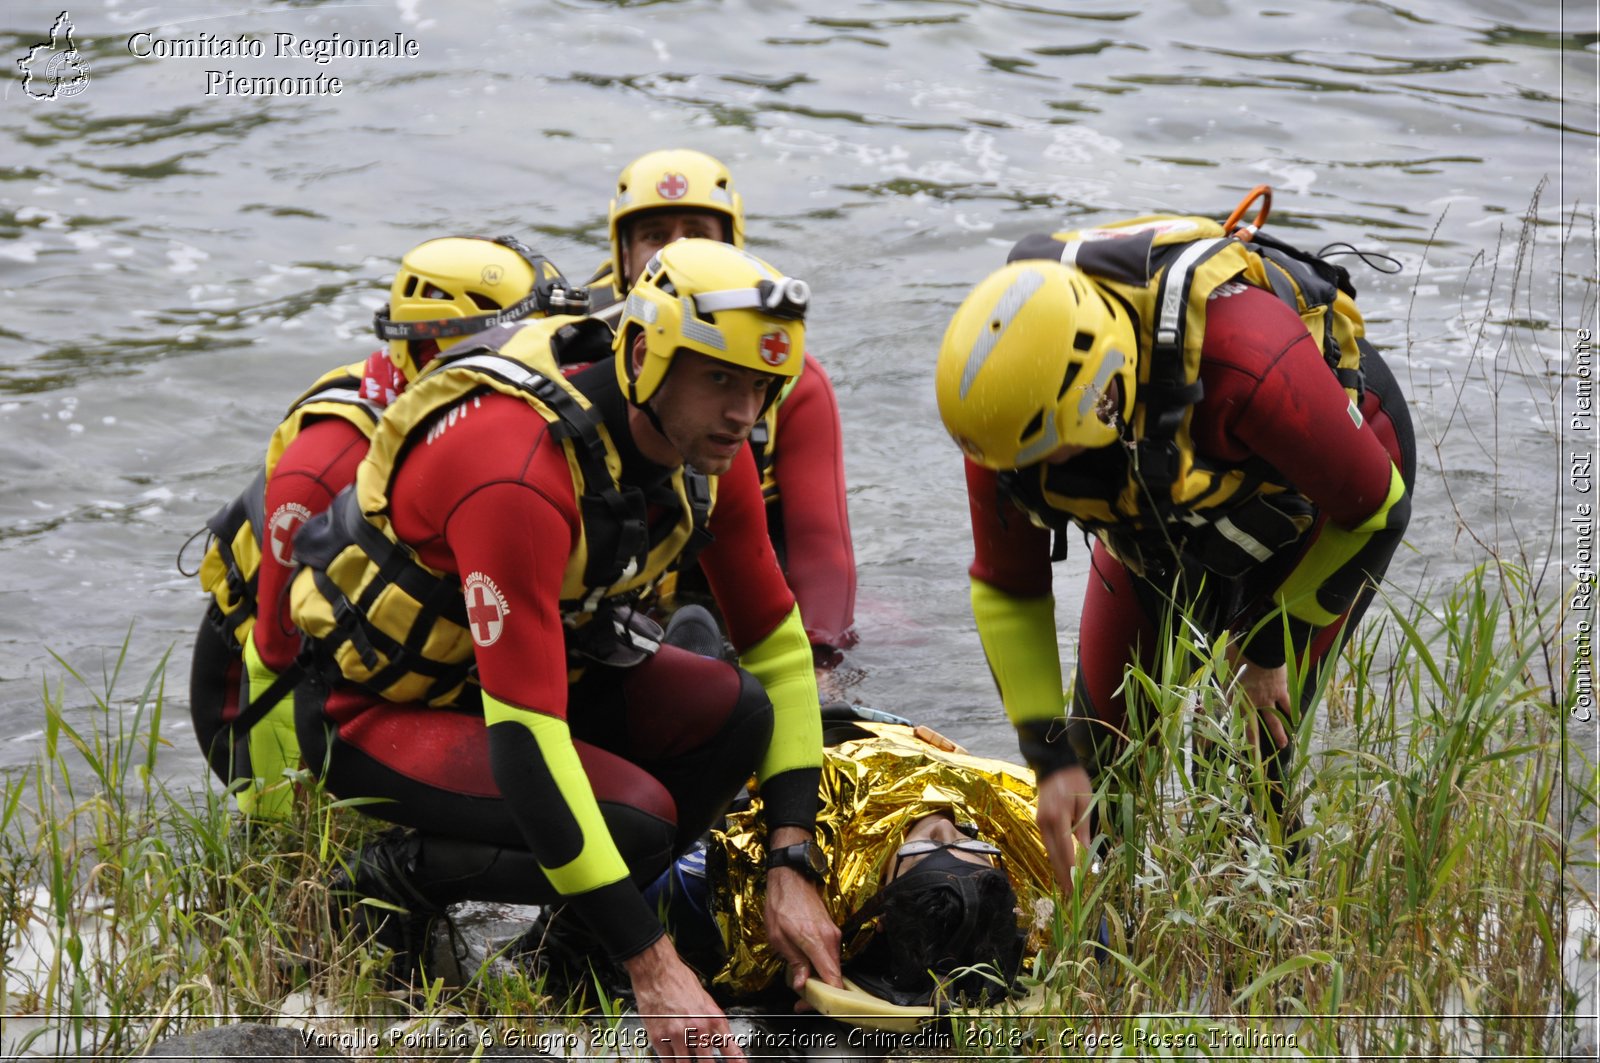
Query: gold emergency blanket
[[873, 790]]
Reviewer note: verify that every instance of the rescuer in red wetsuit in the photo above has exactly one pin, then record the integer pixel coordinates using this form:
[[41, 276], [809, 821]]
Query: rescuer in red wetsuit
[[522, 513], [444, 290], [669, 195], [1285, 501]]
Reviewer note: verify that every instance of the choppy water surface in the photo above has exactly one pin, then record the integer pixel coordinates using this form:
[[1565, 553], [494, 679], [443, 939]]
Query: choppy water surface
[[177, 266]]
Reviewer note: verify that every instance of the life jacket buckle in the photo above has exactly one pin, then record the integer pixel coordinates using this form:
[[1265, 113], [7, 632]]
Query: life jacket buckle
[[348, 620], [238, 585], [618, 637]]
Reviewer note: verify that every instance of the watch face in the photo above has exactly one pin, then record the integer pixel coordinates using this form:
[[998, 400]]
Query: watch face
[[806, 857]]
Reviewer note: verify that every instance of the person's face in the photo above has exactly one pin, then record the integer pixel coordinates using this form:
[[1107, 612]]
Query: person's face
[[706, 408], [650, 232], [937, 827]]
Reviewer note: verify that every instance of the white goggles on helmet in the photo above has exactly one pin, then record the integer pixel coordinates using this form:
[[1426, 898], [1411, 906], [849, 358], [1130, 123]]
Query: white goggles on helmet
[[787, 298]]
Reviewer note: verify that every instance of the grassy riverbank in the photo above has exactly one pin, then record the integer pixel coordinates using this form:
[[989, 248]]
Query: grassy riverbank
[[1439, 786]]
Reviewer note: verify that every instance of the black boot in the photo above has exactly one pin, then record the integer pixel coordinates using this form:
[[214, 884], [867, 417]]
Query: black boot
[[560, 948], [403, 918], [693, 628]]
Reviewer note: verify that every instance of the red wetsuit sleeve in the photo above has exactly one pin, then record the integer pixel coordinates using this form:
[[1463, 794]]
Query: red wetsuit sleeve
[[755, 600], [1268, 392], [809, 468], [511, 519], [740, 565], [1010, 552], [318, 464]]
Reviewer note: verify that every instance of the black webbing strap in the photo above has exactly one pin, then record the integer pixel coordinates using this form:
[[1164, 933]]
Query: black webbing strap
[[697, 489], [1169, 394], [614, 515], [1319, 282], [436, 596], [264, 702], [249, 507]]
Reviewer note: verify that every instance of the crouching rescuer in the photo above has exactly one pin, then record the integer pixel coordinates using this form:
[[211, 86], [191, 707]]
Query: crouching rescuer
[[485, 674]]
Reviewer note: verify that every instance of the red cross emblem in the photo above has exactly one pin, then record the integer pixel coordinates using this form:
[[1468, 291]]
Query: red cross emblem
[[286, 520], [672, 186], [486, 609], [775, 348]]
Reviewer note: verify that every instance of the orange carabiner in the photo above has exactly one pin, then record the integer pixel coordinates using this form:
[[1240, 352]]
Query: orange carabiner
[[1245, 232]]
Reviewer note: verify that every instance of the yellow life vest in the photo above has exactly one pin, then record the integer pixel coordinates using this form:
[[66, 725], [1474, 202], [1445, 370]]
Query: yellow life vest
[[400, 628], [228, 571], [1165, 269]]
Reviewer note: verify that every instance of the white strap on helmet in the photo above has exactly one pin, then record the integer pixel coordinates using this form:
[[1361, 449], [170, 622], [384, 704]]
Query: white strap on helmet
[[788, 297]]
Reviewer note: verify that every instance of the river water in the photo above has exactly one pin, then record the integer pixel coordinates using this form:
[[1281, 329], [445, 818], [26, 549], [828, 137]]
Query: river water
[[177, 265]]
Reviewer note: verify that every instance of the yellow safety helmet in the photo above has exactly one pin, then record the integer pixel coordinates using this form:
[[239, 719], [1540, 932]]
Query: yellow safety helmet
[[678, 179], [454, 286], [1026, 362], [717, 300]]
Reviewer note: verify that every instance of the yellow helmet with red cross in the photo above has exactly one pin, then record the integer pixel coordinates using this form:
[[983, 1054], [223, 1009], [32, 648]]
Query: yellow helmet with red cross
[[679, 179], [716, 300]]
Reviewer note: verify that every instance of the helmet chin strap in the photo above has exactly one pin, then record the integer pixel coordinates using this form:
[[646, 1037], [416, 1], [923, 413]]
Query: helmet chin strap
[[650, 414], [648, 406]]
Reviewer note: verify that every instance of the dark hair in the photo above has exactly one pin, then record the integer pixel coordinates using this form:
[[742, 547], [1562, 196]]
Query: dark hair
[[938, 919]]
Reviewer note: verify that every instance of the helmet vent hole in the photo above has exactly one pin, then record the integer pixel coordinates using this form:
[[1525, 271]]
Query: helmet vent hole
[[1032, 426], [431, 291], [1067, 378], [995, 324], [411, 286], [1083, 341], [482, 302]]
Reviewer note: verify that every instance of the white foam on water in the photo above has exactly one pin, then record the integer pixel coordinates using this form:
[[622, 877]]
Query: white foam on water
[[184, 258], [21, 250]]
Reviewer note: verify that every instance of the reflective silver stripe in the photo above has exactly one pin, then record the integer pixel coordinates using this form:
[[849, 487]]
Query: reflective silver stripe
[[642, 309], [700, 332], [1113, 361], [624, 199], [1244, 541], [721, 196], [1005, 311], [1042, 447], [509, 369], [1173, 300], [334, 395]]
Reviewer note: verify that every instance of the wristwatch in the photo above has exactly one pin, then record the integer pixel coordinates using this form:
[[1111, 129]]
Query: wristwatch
[[806, 858]]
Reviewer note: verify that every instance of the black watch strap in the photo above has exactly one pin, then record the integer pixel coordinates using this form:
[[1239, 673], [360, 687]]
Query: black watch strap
[[805, 857]]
